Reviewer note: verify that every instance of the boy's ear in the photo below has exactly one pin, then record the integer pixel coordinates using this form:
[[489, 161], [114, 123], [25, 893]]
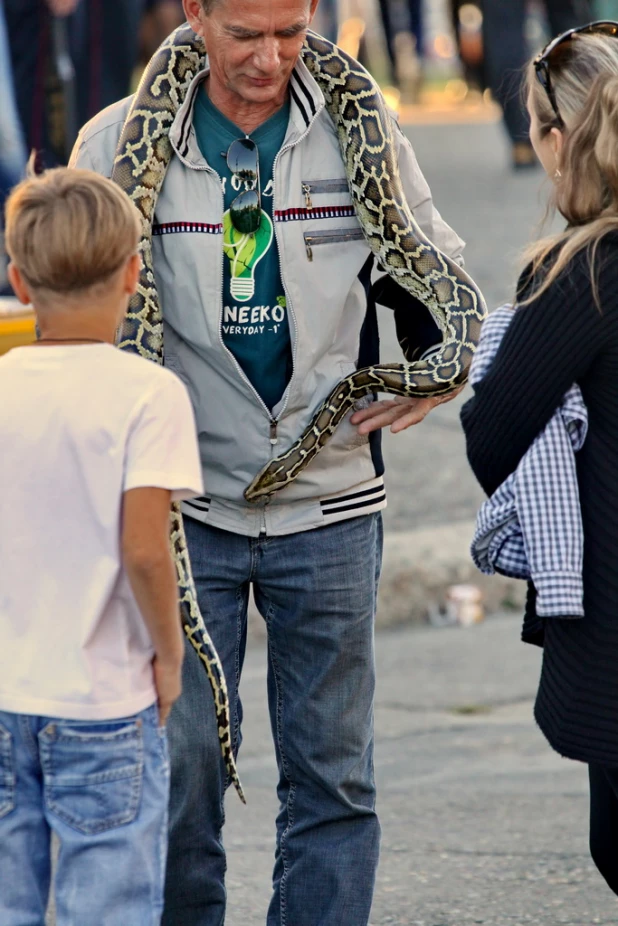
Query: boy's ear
[[18, 283], [132, 274]]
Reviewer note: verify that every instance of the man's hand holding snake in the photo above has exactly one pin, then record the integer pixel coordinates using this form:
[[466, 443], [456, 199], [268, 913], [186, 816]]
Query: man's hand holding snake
[[399, 413]]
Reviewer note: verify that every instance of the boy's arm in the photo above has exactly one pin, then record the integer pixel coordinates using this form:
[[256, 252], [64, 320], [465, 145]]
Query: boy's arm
[[162, 465], [149, 566]]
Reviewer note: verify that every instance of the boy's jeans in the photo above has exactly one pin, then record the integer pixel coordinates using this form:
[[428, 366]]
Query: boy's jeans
[[316, 591], [102, 787]]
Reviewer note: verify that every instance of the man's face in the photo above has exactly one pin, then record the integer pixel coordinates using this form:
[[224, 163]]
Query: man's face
[[253, 45]]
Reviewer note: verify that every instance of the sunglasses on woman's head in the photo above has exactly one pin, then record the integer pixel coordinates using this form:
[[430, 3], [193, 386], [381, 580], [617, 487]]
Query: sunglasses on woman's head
[[542, 60], [244, 162]]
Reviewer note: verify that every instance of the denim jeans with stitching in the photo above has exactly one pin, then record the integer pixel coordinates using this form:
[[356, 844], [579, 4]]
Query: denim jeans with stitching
[[316, 591], [102, 787]]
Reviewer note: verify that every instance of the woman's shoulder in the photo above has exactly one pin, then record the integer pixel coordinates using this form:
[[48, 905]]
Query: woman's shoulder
[[591, 272]]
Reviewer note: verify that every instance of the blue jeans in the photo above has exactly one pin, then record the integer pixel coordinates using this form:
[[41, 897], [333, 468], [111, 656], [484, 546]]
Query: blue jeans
[[102, 787], [316, 591]]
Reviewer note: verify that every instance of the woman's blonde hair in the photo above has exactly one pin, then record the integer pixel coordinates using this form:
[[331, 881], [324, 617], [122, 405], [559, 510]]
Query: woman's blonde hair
[[69, 230], [584, 76]]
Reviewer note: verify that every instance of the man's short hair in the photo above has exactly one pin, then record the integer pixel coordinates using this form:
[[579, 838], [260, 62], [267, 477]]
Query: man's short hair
[[69, 230]]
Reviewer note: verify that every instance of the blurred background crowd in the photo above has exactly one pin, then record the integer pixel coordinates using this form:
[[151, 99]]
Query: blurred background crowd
[[61, 61]]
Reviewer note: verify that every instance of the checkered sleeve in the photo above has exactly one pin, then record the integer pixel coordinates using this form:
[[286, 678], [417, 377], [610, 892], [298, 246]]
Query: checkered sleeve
[[493, 330], [531, 526], [548, 509]]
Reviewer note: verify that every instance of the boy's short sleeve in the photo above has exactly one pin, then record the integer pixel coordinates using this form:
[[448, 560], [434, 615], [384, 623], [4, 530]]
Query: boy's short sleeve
[[162, 449]]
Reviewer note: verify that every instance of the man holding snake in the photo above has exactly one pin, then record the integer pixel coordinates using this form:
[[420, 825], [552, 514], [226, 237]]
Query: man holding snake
[[265, 281]]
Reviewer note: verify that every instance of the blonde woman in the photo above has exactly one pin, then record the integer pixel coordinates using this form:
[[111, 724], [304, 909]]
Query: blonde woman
[[565, 331]]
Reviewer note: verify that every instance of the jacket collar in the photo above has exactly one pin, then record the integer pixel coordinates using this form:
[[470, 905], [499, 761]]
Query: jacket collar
[[306, 97], [306, 103]]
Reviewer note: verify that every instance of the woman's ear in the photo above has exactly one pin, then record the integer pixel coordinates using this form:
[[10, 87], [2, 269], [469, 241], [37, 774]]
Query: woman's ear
[[557, 143]]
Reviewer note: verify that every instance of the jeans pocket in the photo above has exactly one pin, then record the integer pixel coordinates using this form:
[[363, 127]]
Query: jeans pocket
[[7, 772], [93, 772]]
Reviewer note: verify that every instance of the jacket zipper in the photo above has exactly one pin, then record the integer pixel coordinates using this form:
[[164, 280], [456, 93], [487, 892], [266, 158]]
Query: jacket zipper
[[273, 422], [325, 186], [285, 289], [330, 237]]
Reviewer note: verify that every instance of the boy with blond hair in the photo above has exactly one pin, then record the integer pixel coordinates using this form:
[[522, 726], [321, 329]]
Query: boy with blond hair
[[96, 444]]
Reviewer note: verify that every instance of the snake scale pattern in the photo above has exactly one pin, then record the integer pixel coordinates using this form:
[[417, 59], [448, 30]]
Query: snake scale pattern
[[365, 133], [364, 129]]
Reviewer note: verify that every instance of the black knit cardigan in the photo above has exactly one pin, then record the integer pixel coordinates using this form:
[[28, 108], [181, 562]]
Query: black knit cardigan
[[562, 337]]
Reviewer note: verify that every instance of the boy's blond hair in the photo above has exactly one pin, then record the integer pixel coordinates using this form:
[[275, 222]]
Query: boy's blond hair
[[69, 230]]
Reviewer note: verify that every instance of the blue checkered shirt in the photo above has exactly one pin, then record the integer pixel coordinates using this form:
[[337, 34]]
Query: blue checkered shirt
[[531, 527]]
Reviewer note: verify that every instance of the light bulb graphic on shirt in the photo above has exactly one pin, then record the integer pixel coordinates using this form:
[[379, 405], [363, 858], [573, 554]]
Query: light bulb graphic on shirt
[[244, 253]]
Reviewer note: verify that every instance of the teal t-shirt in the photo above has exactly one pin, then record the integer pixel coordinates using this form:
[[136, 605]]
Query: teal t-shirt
[[255, 324]]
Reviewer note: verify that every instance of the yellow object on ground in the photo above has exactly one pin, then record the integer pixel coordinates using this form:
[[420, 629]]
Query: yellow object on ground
[[16, 325]]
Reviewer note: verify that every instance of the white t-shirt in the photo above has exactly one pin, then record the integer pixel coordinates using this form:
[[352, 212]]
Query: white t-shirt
[[79, 425]]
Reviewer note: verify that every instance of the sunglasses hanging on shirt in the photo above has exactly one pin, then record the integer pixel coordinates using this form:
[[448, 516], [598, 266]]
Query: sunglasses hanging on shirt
[[244, 162], [542, 62]]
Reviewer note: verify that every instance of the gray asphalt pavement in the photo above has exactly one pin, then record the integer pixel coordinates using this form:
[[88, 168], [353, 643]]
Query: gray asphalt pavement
[[482, 822], [496, 212]]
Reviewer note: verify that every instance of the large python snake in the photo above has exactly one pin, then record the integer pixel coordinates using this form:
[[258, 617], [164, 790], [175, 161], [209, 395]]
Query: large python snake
[[365, 134], [364, 129]]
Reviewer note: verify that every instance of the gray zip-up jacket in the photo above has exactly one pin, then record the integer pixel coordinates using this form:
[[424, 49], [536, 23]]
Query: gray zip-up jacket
[[326, 272]]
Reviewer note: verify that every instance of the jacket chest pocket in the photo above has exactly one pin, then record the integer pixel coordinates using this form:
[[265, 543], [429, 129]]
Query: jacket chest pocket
[[324, 186], [314, 239]]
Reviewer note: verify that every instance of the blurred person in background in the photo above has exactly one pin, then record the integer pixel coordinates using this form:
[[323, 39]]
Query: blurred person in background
[[103, 42], [414, 13], [467, 21], [506, 53], [159, 19], [326, 20], [12, 145]]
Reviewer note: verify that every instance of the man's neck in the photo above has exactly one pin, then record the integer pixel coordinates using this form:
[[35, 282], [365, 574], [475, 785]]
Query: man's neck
[[246, 115]]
